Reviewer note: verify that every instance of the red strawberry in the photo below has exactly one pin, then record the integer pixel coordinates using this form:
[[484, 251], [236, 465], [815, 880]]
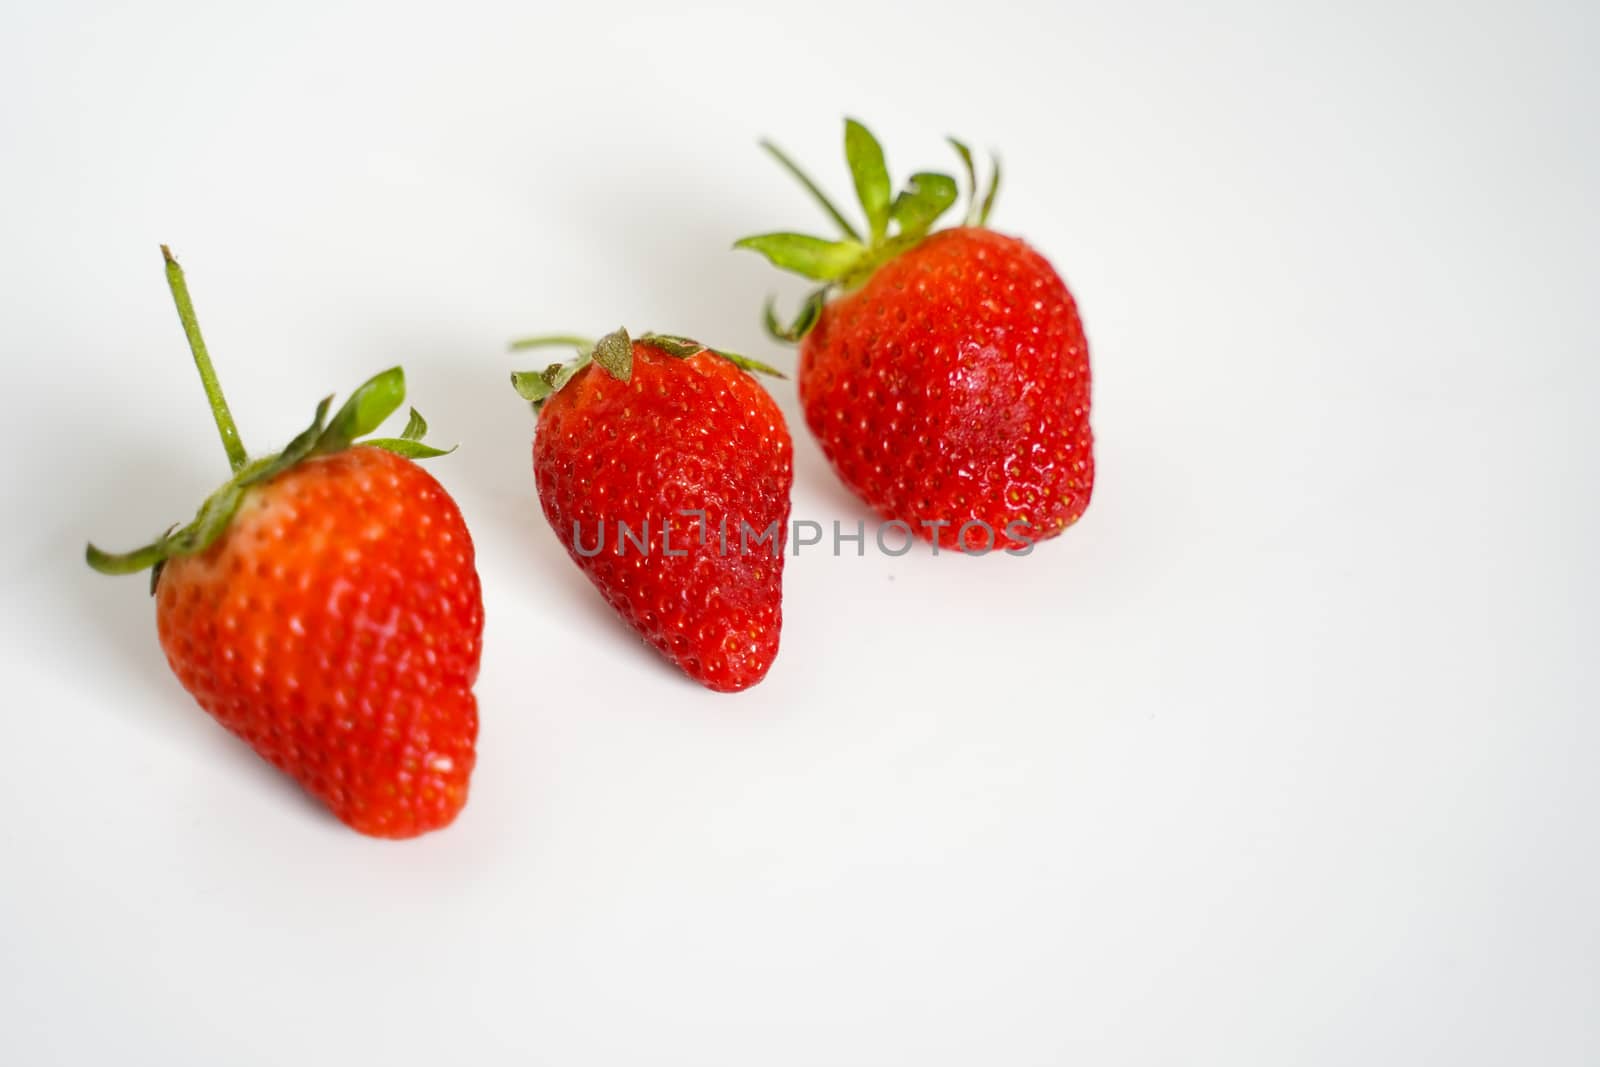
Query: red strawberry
[[324, 606], [945, 375], [665, 469]]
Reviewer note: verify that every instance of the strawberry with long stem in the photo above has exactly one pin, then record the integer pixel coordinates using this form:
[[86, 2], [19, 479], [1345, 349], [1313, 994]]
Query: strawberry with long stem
[[324, 606]]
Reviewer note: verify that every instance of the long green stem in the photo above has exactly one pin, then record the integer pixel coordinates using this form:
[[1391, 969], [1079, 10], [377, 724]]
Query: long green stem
[[202, 361], [805, 179]]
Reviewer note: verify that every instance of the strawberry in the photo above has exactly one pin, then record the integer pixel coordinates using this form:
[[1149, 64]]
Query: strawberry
[[665, 470], [324, 606], [945, 374]]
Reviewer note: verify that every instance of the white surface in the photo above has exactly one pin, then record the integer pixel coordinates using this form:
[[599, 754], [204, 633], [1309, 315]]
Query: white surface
[[1285, 754]]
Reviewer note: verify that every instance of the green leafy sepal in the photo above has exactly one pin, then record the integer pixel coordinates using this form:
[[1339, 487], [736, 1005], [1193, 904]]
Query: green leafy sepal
[[894, 224], [361, 414], [614, 354]]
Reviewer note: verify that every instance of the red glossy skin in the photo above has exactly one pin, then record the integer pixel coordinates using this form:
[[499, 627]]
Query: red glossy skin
[[954, 386], [336, 626], [682, 434]]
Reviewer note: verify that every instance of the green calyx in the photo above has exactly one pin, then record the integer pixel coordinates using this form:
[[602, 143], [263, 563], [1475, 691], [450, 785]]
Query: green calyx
[[894, 223], [361, 414], [614, 355]]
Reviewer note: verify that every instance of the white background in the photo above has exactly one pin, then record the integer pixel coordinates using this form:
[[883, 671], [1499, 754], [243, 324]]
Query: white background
[[1285, 754]]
